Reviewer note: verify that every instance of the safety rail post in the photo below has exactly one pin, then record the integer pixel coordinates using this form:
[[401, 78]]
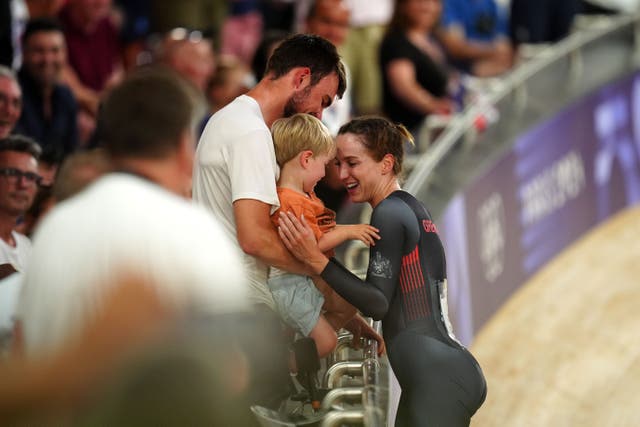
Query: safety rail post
[[340, 418], [339, 395]]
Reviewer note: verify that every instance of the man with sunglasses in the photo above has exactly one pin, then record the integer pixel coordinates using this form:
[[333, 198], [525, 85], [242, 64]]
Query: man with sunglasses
[[19, 181]]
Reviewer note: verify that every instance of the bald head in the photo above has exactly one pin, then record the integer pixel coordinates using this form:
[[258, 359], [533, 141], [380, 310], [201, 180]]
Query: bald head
[[329, 19], [191, 57]]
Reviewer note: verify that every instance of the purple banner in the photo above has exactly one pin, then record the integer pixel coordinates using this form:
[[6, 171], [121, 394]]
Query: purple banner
[[558, 181]]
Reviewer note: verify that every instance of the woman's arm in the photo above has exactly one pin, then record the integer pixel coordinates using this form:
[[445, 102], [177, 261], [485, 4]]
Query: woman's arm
[[371, 297], [401, 74]]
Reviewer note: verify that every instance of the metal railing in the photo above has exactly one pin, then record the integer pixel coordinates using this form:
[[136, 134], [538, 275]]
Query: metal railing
[[513, 83]]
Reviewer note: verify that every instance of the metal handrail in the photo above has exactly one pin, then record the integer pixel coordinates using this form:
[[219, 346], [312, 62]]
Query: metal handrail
[[338, 395], [339, 418], [461, 124], [341, 369]]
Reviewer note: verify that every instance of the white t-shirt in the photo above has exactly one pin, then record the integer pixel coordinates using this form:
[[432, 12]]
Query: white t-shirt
[[363, 14], [16, 256], [9, 292], [236, 160], [124, 223]]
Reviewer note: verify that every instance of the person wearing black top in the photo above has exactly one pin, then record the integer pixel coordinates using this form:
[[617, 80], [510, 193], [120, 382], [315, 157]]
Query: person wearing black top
[[442, 383], [415, 78]]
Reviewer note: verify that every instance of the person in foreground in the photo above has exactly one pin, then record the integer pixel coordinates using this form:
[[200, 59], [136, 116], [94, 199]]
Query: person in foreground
[[442, 383]]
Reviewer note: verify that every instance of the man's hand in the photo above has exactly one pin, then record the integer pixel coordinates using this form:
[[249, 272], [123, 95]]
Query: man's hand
[[361, 329]]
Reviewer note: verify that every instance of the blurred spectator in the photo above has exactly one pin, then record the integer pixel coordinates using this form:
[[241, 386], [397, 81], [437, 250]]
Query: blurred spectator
[[134, 31], [88, 28], [18, 185], [270, 41], [232, 78], [78, 171], [49, 109], [179, 249], [205, 16], [541, 21], [47, 168], [330, 19], [46, 391], [414, 74], [360, 52], [10, 101], [14, 15], [190, 54], [475, 37], [242, 30], [141, 361], [19, 181]]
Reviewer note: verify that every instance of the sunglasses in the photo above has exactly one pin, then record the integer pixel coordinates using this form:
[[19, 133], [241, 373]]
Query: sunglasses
[[13, 175]]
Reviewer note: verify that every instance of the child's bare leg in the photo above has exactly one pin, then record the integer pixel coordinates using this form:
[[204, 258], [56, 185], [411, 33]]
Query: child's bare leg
[[324, 336]]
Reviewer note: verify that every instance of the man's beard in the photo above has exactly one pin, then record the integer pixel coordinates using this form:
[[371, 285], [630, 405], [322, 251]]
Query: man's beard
[[294, 104]]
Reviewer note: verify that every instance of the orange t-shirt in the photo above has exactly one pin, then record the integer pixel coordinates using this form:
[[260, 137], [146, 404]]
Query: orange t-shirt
[[320, 218]]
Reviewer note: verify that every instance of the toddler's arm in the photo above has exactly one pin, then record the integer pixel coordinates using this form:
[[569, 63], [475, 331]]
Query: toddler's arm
[[341, 233]]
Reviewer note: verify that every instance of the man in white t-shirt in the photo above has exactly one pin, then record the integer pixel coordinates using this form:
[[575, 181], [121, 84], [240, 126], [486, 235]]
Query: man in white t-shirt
[[131, 223], [235, 169]]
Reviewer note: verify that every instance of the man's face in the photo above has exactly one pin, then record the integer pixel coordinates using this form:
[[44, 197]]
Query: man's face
[[313, 99], [10, 105], [330, 21], [17, 192], [44, 55]]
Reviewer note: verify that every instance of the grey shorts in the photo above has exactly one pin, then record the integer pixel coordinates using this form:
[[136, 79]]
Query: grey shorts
[[298, 301]]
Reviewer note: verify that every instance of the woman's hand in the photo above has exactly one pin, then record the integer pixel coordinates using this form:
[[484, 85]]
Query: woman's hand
[[298, 237], [361, 329]]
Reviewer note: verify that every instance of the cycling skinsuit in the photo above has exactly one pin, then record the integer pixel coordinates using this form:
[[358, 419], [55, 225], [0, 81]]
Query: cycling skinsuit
[[442, 384]]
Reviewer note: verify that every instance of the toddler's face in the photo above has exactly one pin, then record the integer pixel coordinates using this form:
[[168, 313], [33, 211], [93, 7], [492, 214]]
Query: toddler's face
[[316, 170]]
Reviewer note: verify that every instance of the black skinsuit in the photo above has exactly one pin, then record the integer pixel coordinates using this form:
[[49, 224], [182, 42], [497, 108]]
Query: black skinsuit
[[442, 384]]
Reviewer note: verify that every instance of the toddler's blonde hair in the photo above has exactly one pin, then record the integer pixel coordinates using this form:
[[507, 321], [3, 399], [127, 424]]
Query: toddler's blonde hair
[[300, 132]]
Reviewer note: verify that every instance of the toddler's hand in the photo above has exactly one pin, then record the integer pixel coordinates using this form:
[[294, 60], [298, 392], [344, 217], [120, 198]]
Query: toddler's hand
[[365, 233]]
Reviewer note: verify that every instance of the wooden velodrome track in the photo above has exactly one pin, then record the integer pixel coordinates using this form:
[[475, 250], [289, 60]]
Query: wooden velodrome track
[[565, 349]]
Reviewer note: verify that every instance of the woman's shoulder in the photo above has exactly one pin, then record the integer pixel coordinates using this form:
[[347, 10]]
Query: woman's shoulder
[[394, 206]]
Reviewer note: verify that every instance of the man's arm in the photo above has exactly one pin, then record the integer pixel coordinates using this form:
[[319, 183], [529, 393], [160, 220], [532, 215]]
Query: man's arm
[[258, 237]]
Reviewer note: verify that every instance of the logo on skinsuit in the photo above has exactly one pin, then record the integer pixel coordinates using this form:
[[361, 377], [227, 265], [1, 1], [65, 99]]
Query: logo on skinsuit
[[429, 226]]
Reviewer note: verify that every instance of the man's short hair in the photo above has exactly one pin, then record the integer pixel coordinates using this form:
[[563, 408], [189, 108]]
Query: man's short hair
[[79, 170], [298, 133], [22, 144], [39, 25], [308, 50], [146, 115]]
